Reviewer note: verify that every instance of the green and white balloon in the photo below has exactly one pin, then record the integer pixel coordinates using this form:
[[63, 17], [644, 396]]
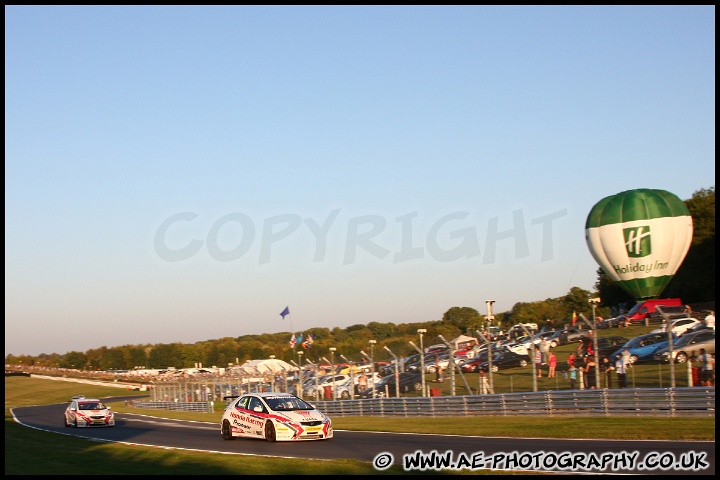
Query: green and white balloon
[[640, 238]]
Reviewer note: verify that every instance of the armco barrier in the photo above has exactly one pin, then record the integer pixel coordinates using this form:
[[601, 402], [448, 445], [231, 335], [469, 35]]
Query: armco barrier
[[203, 407], [672, 402]]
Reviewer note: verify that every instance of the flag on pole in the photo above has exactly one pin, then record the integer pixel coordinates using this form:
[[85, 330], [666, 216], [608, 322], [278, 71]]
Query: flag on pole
[[292, 341], [300, 339], [285, 312], [574, 319], [308, 341]]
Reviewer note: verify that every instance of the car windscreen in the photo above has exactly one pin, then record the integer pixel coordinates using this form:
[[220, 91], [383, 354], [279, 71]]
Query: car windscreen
[[283, 403]]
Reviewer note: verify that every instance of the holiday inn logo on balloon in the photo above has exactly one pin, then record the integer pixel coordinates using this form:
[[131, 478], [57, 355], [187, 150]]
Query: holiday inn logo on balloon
[[640, 238]]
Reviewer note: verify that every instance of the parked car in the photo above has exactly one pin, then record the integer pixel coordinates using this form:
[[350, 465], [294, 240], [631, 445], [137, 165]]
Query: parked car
[[274, 416], [465, 353], [568, 335], [472, 365], [643, 347], [316, 388], [345, 390], [409, 381], [414, 362], [505, 360], [608, 345], [443, 360], [88, 412], [676, 311], [688, 346], [680, 325]]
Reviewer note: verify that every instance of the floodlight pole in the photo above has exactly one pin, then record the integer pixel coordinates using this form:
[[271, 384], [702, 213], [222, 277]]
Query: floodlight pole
[[317, 376], [422, 364], [272, 379], [299, 387], [332, 367], [397, 370], [490, 317], [421, 331], [372, 364]]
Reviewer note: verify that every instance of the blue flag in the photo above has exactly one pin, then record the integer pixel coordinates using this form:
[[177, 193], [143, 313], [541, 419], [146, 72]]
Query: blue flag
[[285, 312]]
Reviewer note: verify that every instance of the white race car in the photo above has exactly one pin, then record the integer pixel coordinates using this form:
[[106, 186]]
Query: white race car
[[88, 412], [274, 417]]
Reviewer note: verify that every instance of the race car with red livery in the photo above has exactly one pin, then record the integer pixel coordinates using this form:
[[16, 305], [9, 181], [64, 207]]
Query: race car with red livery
[[274, 417]]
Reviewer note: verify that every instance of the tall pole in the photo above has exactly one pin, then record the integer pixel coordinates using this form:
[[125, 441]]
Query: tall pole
[[332, 367], [422, 359], [272, 379], [397, 370], [298, 386], [372, 364], [594, 302], [300, 354], [317, 376], [490, 318]]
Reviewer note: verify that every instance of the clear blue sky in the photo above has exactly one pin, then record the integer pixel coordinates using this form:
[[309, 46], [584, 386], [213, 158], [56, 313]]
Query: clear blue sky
[[405, 136]]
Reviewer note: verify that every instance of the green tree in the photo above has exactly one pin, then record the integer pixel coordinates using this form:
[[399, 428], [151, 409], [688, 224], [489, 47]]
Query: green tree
[[463, 318], [694, 281]]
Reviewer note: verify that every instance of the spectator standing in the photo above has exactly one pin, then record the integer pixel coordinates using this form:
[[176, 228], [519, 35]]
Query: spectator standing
[[607, 368], [590, 349], [707, 365], [589, 373], [552, 365], [571, 359], [626, 356], [439, 372], [544, 350], [621, 372], [538, 362], [573, 376], [688, 310], [362, 382], [710, 320]]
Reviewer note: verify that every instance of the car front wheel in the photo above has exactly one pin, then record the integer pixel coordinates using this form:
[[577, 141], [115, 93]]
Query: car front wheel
[[345, 395], [495, 368], [681, 357], [226, 434], [270, 432], [523, 363]]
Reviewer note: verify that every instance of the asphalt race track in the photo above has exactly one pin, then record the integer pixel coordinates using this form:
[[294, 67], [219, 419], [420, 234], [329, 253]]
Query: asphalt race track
[[383, 448]]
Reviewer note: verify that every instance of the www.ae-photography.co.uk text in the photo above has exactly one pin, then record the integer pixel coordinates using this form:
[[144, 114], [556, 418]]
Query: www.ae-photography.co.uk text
[[449, 238]]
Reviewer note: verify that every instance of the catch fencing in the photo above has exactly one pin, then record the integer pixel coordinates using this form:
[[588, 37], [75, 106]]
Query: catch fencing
[[634, 402]]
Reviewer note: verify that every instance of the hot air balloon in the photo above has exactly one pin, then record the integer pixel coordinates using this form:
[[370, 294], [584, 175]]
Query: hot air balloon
[[639, 238]]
